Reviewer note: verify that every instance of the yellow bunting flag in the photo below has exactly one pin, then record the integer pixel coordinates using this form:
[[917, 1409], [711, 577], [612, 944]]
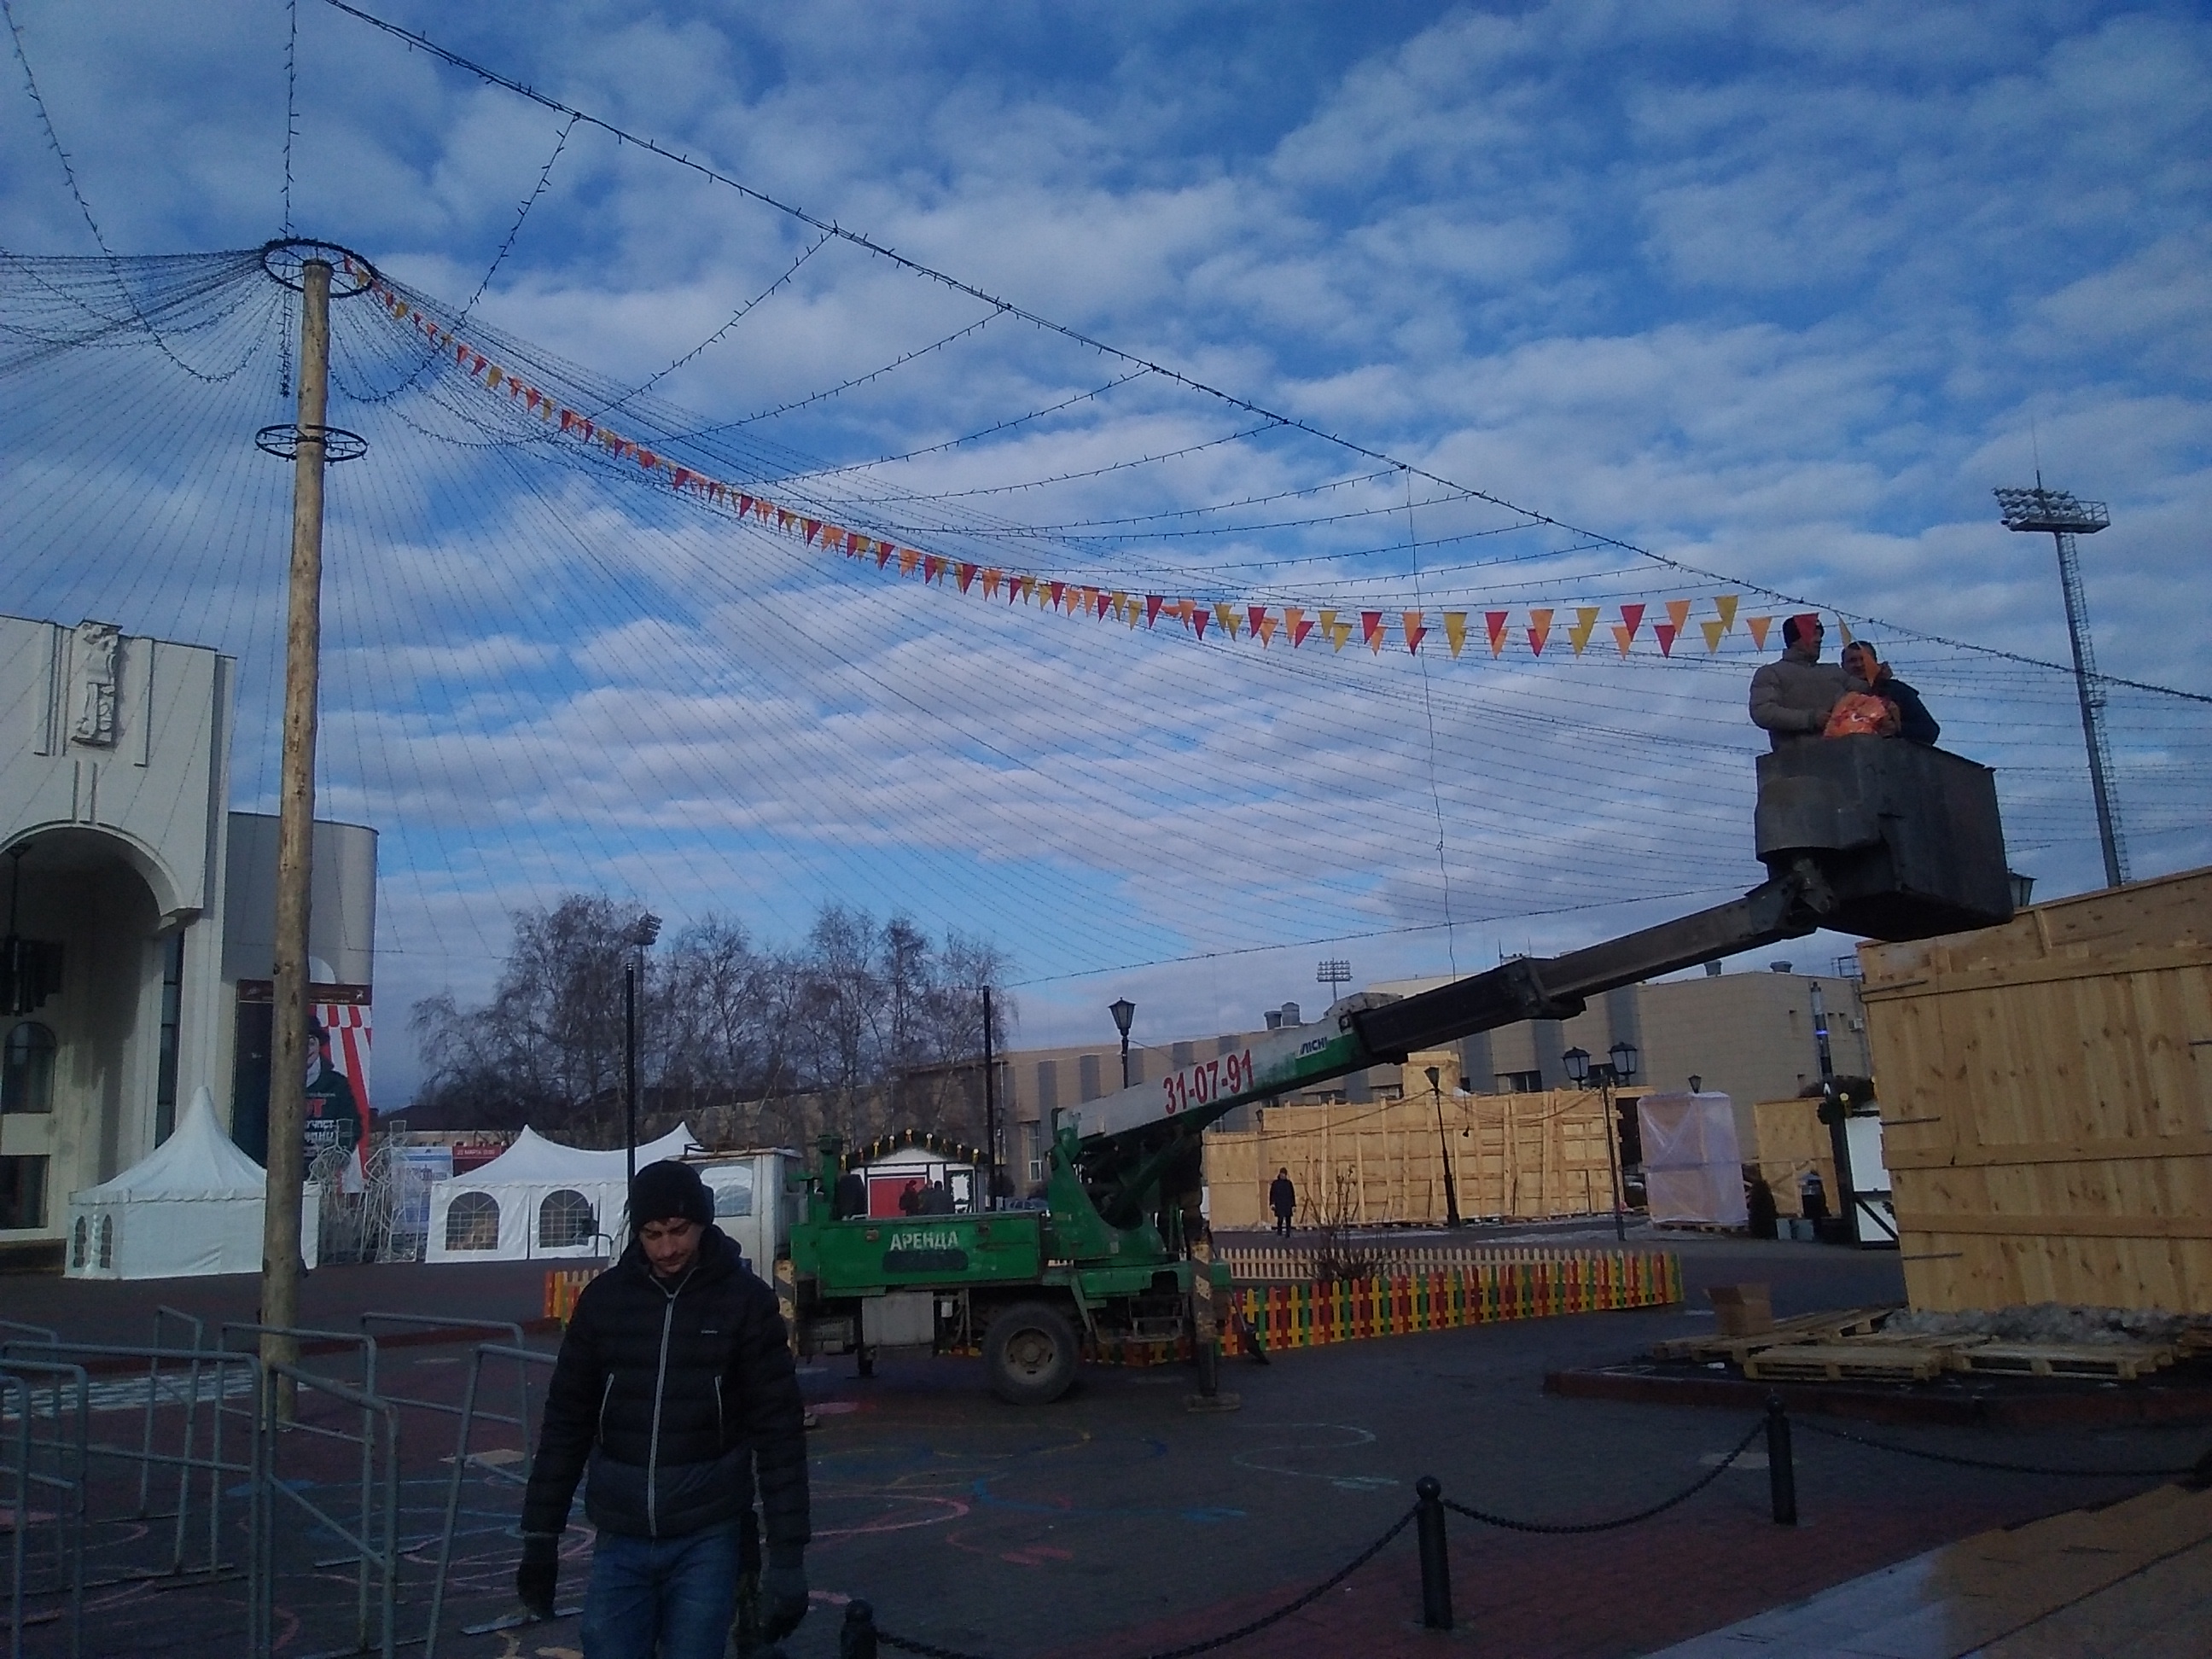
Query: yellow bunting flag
[[1026, 588], [1759, 625], [1844, 627], [1455, 630], [1338, 633], [1585, 623], [1225, 614], [1539, 630], [1725, 605]]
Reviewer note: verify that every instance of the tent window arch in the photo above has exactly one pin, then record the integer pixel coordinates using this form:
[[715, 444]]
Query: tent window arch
[[78, 1235], [107, 1240], [27, 1083], [472, 1222], [565, 1220]]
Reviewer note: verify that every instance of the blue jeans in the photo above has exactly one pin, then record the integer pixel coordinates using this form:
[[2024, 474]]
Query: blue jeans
[[662, 1598]]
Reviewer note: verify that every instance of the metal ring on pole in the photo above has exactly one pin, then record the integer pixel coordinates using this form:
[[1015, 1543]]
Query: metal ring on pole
[[352, 274], [282, 440]]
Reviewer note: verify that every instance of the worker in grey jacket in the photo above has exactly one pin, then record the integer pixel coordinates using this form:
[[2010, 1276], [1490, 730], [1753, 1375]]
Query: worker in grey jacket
[[1792, 696]]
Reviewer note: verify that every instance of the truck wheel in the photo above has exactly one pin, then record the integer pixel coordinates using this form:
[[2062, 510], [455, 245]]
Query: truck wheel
[[1029, 1353]]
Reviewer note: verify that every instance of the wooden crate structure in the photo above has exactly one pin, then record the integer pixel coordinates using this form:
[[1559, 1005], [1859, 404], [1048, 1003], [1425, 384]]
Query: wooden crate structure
[[1517, 1155], [2046, 1102], [1788, 1139]]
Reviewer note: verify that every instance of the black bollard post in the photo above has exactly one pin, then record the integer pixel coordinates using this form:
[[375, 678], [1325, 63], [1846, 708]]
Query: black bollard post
[[1435, 1560], [1781, 1472], [856, 1637]]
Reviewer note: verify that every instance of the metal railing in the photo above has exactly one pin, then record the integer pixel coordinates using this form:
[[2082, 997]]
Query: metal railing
[[522, 1359], [376, 1545]]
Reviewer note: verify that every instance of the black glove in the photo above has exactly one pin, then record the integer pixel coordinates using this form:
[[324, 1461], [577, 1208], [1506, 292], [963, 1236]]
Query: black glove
[[783, 1588], [539, 1575]]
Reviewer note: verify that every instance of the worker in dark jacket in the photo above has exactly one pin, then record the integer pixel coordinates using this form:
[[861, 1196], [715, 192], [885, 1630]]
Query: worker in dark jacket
[[1283, 1199], [674, 1380], [1914, 723], [1792, 697]]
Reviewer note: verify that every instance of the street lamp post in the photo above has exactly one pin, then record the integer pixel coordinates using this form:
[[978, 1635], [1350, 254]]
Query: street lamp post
[[640, 940], [1123, 1011], [1443, 1147], [1623, 1058]]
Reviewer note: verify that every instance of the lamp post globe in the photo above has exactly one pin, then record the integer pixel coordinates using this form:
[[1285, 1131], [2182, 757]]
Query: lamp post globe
[[1576, 1061], [1123, 1011], [1625, 1056]]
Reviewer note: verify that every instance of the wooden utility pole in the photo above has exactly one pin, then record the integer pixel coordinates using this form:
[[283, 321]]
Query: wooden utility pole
[[280, 1266]]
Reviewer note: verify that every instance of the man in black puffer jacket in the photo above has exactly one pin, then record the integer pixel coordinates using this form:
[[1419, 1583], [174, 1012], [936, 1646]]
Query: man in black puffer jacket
[[674, 1380]]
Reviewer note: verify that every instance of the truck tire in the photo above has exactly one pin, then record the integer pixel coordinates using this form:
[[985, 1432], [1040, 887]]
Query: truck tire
[[1029, 1353]]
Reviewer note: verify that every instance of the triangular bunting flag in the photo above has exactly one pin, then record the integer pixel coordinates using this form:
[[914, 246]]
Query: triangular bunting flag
[[1198, 619], [1152, 603], [908, 559], [1666, 632], [1101, 601], [1295, 625], [991, 584], [1225, 614], [1416, 629], [1263, 624], [1339, 633], [1759, 625], [1725, 605], [1059, 590], [1712, 631], [1455, 630], [1585, 621], [1678, 612], [1631, 618], [1495, 622], [1371, 630], [963, 572], [1539, 630], [930, 566], [1844, 628]]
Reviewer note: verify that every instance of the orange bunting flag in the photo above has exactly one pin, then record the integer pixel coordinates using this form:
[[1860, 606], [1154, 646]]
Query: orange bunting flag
[[1678, 612], [1759, 625], [1455, 630], [1416, 630], [1152, 603], [991, 584], [1263, 624], [908, 559], [1585, 623], [1495, 622], [1539, 630], [1371, 630], [1295, 625], [1666, 632], [1624, 631], [963, 572], [646, 458]]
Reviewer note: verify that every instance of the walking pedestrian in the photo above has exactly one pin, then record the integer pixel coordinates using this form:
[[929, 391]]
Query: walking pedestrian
[[674, 1381]]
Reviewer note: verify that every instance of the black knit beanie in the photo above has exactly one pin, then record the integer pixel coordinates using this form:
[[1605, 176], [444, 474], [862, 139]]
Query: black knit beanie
[[660, 1191]]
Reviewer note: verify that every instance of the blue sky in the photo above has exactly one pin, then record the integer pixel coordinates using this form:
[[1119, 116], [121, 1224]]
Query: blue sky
[[1777, 291]]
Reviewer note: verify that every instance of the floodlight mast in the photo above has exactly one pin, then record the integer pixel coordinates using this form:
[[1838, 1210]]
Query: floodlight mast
[[2065, 518]]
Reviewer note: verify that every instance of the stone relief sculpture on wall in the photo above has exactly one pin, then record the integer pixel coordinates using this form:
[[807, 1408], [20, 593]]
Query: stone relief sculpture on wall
[[97, 660]]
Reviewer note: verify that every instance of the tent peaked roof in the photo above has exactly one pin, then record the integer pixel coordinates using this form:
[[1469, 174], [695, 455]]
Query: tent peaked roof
[[199, 1161], [533, 1160]]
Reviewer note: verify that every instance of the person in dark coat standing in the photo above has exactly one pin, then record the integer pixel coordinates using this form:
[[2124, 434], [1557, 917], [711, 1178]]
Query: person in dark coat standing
[[674, 1382], [1283, 1199], [1914, 723], [1792, 697]]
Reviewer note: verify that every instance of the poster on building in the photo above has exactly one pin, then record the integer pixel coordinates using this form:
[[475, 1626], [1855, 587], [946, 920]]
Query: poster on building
[[337, 1112], [415, 1170]]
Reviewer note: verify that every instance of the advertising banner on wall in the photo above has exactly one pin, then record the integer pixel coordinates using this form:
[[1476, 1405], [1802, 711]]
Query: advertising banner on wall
[[337, 1098]]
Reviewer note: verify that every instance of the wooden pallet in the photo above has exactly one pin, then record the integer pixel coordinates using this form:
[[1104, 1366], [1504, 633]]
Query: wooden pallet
[[1798, 1328], [2057, 1359], [1847, 1361]]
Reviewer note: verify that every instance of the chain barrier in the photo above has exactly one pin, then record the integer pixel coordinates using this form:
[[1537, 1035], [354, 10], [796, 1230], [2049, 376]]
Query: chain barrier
[[930, 1650], [2200, 1470], [1567, 1527]]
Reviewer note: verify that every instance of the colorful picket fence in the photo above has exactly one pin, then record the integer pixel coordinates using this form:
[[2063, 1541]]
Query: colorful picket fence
[[1311, 1314], [563, 1286]]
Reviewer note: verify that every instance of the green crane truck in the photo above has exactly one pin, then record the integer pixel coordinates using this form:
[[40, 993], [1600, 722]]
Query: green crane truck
[[1867, 835]]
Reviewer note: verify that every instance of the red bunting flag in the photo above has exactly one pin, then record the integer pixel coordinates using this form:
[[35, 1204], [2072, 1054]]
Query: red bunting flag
[[1295, 623], [931, 564], [964, 573], [1416, 630], [811, 526], [1102, 601], [1261, 625], [1371, 630], [1624, 631], [1495, 622], [1197, 618], [1666, 632], [1152, 603], [1059, 590]]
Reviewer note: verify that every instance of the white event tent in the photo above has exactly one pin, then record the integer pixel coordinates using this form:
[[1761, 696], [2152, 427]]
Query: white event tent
[[540, 1199], [193, 1206]]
